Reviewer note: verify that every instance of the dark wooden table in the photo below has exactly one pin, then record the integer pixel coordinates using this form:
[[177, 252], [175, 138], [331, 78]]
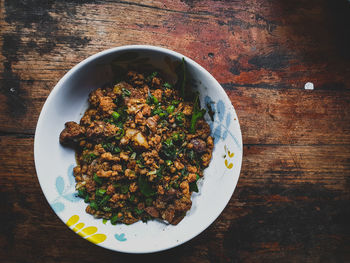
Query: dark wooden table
[[292, 201]]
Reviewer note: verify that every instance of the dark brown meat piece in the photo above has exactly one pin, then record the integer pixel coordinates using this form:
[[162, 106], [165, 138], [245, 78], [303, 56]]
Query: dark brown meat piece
[[72, 133], [202, 129], [199, 145], [169, 214], [152, 211], [170, 195], [177, 219], [183, 204]]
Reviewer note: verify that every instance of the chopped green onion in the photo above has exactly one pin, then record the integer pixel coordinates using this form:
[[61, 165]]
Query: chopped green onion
[[163, 123], [179, 118], [184, 173], [114, 219], [100, 192], [148, 201], [139, 163], [138, 211], [160, 171], [167, 85], [168, 142], [97, 179], [115, 115], [169, 150], [120, 133], [104, 200], [88, 158], [168, 162], [151, 99], [104, 221], [124, 189], [116, 149], [133, 155], [178, 136], [162, 114], [93, 205], [82, 192], [170, 109], [157, 111], [155, 73], [107, 209], [126, 92], [175, 136], [191, 155]]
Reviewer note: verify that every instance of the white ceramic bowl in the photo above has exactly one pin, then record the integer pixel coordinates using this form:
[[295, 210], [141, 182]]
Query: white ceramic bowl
[[54, 163]]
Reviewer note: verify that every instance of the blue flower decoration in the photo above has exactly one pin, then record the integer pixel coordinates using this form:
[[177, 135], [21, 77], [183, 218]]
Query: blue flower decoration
[[120, 237], [220, 127], [65, 191]]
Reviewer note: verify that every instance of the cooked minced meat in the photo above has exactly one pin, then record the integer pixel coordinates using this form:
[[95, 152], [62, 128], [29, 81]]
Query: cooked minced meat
[[140, 149]]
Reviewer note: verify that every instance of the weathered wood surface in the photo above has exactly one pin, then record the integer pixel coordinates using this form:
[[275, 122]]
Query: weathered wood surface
[[292, 202]]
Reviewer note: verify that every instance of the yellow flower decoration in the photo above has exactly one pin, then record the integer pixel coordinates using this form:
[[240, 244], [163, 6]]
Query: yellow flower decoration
[[230, 155], [88, 232]]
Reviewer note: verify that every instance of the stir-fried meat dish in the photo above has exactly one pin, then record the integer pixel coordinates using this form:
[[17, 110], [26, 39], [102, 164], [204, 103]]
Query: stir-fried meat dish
[[140, 149]]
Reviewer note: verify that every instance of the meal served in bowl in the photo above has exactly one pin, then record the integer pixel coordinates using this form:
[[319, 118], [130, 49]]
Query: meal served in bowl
[[140, 149], [135, 145]]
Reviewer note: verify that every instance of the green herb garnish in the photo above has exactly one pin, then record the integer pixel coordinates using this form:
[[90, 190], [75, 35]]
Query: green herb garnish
[[93, 205], [115, 115], [124, 188], [115, 219], [100, 192], [170, 109], [194, 187], [151, 99], [125, 92], [104, 200], [107, 209], [149, 201], [97, 179], [167, 85], [145, 187], [88, 158], [153, 74], [181, 81], [168, 149], [179, 118], [109, 147], [196, 114], [138, 211]]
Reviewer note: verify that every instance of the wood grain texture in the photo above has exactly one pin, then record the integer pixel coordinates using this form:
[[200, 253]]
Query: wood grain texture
[[292, 200]]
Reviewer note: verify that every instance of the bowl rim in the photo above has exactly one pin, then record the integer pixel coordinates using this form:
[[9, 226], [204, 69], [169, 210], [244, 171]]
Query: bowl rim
[[100, 54]]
